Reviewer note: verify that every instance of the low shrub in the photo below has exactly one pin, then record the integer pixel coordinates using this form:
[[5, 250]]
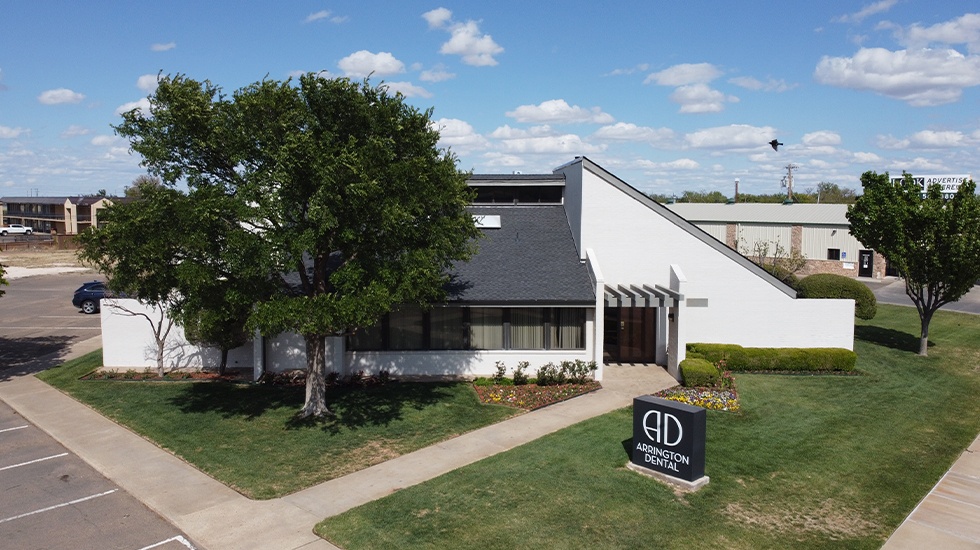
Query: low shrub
[[738, 358], [829, 285], [784, 275], [699, 373], [500, 374], [520, 376]]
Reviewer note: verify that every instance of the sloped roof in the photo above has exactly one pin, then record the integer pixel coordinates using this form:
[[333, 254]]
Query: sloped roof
[[531, 259], [797, 214]]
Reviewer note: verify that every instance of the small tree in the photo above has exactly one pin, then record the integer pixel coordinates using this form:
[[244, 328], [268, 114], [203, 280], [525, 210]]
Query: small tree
[[934, 243], [772, 257]]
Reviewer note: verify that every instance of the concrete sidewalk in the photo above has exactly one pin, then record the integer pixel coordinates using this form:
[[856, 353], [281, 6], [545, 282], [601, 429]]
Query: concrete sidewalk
[[217, 517], [949, 516]]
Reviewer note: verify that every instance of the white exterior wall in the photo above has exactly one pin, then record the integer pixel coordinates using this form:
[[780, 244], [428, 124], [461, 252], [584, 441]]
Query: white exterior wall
[[636, 244], [816, 241], [716, 230], [128, 342], [747, 234]]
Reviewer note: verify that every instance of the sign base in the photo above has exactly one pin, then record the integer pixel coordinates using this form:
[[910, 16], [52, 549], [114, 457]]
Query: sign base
[[676, 482]]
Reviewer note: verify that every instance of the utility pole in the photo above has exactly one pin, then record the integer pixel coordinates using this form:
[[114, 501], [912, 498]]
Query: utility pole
[[788, 181], [736, 190]]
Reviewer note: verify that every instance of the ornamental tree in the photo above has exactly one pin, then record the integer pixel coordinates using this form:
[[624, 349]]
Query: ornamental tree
[[339, 191], [934, 243]]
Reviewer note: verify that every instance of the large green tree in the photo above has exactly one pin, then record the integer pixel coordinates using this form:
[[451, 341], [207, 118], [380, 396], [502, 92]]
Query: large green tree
[[934, 243], [340, 185]]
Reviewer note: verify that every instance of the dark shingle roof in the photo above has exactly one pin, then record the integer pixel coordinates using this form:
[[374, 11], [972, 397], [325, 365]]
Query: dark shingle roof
[[530, 259]]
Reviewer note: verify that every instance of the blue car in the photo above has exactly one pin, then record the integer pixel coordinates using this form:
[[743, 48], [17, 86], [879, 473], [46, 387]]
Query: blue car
[[88, 296]]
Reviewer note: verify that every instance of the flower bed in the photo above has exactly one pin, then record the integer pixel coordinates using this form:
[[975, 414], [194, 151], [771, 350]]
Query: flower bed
[[721, 397], [532, 396]]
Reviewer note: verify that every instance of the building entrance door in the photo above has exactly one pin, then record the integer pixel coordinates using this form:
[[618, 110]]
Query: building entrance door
[[630, 335], [865, 263]]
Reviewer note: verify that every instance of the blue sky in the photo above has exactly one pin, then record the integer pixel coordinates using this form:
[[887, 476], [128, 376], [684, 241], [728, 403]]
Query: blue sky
[[669, 96]]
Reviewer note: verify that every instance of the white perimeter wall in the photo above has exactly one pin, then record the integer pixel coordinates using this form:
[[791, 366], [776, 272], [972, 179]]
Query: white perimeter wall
[[635, 244]]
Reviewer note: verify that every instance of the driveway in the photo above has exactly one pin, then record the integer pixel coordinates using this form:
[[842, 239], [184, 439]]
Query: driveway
[[891, 290]]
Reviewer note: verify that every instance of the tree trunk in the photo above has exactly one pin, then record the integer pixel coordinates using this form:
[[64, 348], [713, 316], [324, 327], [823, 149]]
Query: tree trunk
[[224, 362], [160, 344], [316, 379], [925, 318]]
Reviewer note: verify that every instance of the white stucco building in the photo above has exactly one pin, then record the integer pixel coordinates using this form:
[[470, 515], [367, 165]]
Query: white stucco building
[[575, 264]]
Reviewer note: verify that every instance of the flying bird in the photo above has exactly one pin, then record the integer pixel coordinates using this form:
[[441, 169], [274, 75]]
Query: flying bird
[[775, 145]]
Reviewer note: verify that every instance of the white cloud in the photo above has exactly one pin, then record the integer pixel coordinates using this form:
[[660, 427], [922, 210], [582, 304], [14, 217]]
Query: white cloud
[[407, 89], [683, 74], [679, 164], [75, 131], [163, 47], [362, 63], [926, 139], [735, 136], [459, 135], [147, 83], [963, 30], [918, 165], [142, 104], [7, 132], [559, 112], [770, 85], [919, 77], [642, 67], [821, 138], [317, 16], [494, 158], [438, 18], [436, 74], [466, 39], [700, 98], [871, 9], [625, 131], [60, 96], [105, 141], [569, 144], [867, 158]]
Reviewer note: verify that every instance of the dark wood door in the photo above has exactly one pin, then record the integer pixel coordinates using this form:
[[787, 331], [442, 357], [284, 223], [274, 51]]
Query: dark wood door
[[630, 335]]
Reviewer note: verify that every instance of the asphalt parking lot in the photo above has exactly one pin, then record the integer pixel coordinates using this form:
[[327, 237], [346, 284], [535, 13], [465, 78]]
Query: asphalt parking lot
[[49, 497]]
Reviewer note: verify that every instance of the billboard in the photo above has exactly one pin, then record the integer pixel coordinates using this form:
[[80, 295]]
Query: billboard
[[950, 183]]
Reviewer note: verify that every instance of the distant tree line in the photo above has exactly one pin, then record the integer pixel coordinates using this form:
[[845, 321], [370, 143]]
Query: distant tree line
[[824, 193]]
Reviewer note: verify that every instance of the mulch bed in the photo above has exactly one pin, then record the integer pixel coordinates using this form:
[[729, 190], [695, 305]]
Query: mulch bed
[[532, 396]]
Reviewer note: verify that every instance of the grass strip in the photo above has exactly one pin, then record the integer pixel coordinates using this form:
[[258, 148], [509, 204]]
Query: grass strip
[[246, 435], [809, 462]]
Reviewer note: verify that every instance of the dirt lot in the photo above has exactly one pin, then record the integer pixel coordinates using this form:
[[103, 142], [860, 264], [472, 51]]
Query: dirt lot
[[39, 258]]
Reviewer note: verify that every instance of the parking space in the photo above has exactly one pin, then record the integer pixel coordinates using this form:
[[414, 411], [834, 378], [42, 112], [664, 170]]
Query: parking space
[[49, 497], [53, 499], [38, 318]]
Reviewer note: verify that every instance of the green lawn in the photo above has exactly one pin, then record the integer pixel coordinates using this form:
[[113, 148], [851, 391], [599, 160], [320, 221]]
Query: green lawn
[[811, 462], [245, 435]]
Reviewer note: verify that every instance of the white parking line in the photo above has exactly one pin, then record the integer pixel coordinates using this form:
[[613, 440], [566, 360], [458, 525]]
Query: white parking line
[[49, 508], [32, 461], [12, 429], [178, 538]]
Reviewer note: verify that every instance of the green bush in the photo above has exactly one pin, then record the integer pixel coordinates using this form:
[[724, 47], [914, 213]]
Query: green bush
[[738, 358], [520, 376], [828, 285], [699, 373]]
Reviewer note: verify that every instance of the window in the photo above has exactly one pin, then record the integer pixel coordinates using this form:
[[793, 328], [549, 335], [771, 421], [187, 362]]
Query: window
[[406, 329], [474, 328], [833, 253], [567, 328], [527, 328], [486, 328], [446, 328]]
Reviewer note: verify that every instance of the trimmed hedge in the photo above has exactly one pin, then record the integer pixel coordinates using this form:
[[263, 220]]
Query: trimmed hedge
[[829, 285], [699, 372], [738, 358]]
